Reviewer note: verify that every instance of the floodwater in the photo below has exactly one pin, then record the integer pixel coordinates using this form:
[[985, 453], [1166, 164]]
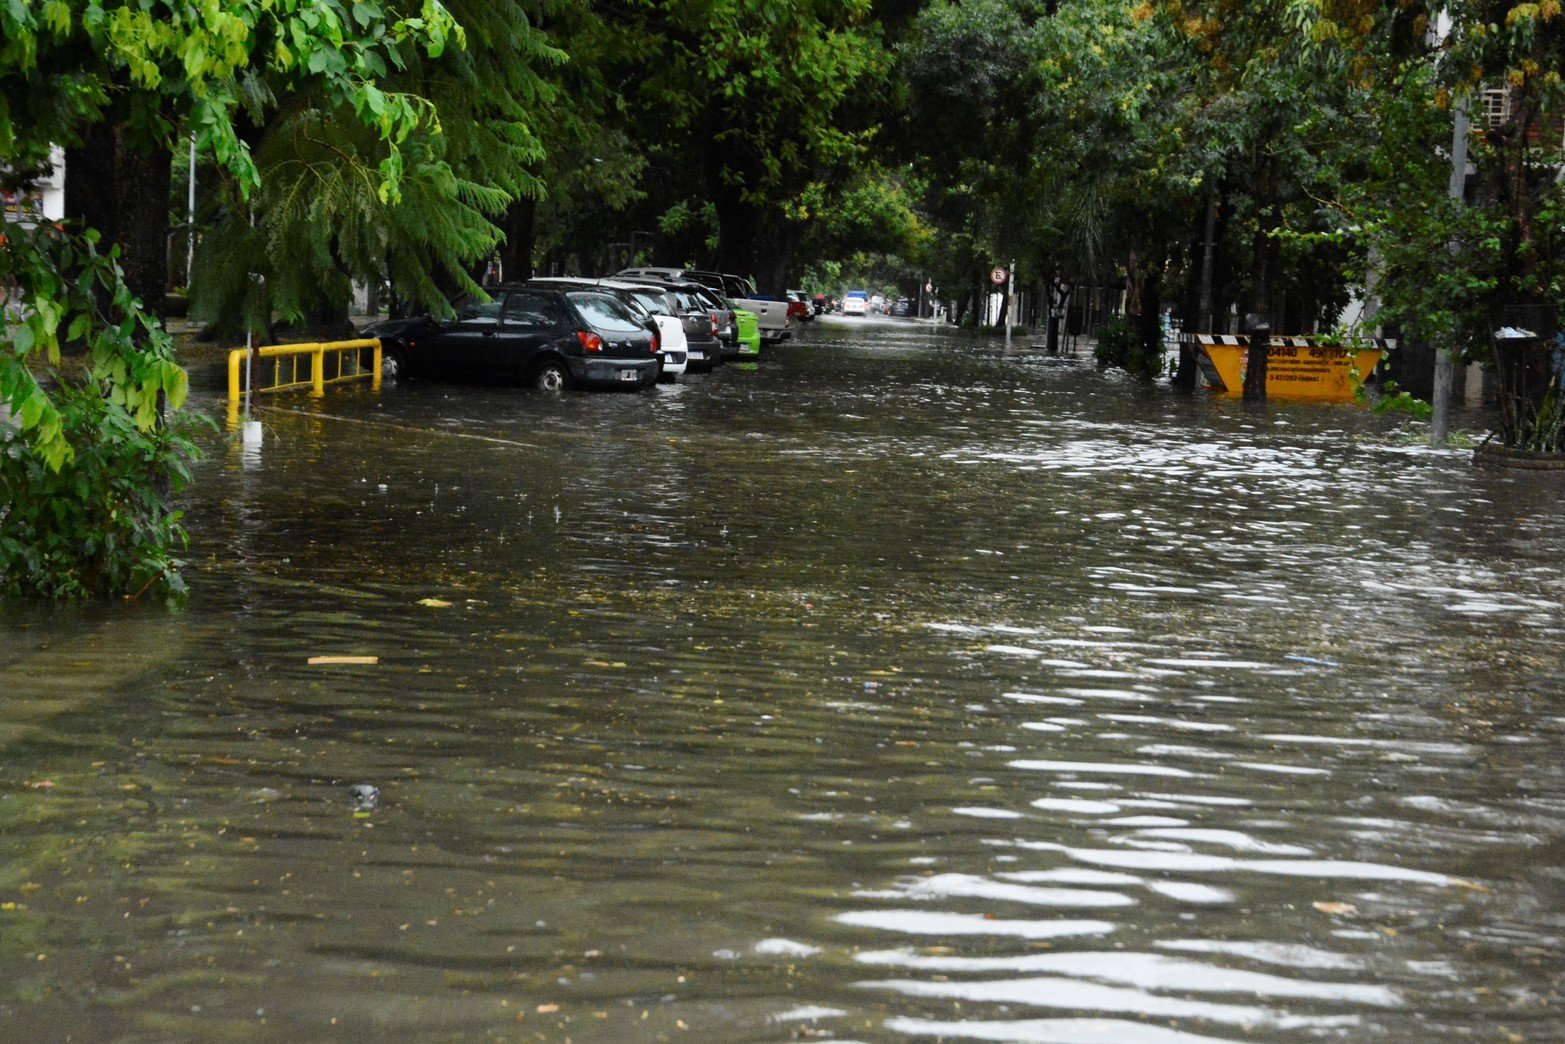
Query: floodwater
[[892, 688]]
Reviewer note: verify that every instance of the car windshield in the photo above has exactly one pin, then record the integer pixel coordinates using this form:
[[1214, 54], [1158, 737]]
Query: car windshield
[[606, 313]]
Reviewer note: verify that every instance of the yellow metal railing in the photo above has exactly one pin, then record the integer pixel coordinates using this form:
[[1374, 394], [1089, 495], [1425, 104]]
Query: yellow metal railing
[[281, 367]]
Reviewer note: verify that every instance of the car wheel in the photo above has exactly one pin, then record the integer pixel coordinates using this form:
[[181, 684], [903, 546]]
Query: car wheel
[[393, 365], [551, 376]]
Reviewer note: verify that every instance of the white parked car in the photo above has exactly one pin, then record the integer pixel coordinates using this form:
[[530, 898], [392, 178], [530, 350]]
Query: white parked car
[[855, 302], [771, 317], [673, 346]]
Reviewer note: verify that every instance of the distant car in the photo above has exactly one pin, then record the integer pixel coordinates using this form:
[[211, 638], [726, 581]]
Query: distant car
[[799, 306], [549, 339], [653, 304], [855, 302], [749, 333], [903, 308]]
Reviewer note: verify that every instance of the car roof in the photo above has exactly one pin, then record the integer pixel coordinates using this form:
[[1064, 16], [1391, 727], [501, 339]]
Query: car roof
[[628, 283], [557, 285], [663, 284], [567, 284], [529, 285], [655, 273]]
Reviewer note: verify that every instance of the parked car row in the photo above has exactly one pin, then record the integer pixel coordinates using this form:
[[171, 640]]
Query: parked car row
[[629, 330]]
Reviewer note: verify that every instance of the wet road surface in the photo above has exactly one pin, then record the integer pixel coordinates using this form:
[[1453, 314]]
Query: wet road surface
[[892, 688]]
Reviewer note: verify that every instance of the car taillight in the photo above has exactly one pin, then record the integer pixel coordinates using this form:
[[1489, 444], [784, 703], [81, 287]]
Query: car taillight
[[714, 324], [590, 341], [657, 342]]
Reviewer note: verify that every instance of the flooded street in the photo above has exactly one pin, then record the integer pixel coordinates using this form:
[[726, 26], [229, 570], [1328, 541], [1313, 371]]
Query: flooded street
[[891, 688]]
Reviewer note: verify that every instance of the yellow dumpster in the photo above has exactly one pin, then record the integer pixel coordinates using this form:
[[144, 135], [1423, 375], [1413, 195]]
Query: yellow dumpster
[[1310, 368]]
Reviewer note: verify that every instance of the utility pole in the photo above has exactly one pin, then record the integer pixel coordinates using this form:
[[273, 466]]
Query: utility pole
[[1440, 421]]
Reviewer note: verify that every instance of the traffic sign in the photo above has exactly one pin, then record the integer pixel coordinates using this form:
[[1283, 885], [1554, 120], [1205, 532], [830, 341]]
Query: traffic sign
[[997, 277]]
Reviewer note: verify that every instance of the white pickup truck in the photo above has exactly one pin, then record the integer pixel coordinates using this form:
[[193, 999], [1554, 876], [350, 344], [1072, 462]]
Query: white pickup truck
[[770, 316]]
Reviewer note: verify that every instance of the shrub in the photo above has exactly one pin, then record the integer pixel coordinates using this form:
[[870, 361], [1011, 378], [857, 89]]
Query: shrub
[[1119, 345], [103, 522]]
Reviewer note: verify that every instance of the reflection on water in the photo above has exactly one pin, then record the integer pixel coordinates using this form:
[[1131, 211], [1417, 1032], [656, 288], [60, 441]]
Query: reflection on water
[[894, 688]]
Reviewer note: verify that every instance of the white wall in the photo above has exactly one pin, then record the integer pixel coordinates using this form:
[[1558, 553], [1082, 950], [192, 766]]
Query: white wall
[[47, 199]]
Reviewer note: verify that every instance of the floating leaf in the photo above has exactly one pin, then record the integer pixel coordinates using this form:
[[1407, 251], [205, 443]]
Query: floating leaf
[[317, 660], [1345, 909], [435, 603]]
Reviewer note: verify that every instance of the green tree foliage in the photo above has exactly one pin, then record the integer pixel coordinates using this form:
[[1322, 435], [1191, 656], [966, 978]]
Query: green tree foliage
[[1447, 271], [321, 219], [88, 464], [752, 93], [869, 225]]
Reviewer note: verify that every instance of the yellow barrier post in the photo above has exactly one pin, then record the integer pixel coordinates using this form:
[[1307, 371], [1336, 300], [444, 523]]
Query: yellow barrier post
[[317, 372], [289, 355]]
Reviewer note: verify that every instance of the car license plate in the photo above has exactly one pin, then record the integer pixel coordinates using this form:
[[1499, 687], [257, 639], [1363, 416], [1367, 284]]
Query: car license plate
[[629, 375], [698, 356]]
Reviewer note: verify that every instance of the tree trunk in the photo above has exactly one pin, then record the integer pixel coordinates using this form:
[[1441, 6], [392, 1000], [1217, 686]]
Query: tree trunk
[[90, 176], [779, 239], [516, 249], [1150, 324], [1264, 258], [123, 191], [1198, 294], [738, 220]]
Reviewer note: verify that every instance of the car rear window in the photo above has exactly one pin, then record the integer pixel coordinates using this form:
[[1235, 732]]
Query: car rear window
[[687, 301], [653, 301], [605, 313], [525, 309], [469, 310]]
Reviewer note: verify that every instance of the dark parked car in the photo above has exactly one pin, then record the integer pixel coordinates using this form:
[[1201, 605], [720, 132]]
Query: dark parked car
[[903, 308], [549, 339]]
